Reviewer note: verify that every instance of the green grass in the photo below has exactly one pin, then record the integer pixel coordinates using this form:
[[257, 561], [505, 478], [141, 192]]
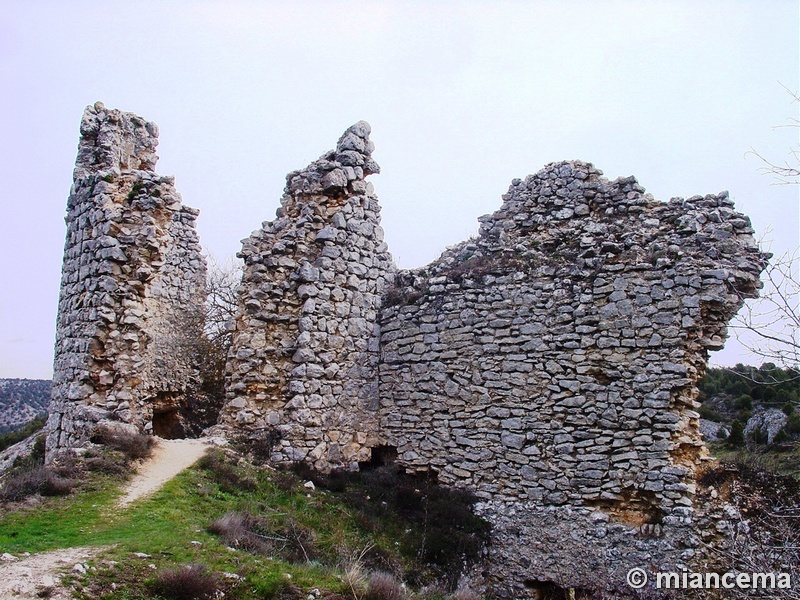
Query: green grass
[[165, 525], [783, 462], [171, 527], [59, 523]]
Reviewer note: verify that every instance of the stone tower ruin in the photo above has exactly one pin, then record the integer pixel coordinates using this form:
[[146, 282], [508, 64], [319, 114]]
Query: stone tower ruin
[[549, 365], [304, 362], [132, 284]]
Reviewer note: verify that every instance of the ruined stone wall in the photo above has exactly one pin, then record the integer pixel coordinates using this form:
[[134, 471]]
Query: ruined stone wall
[[550, 365], [305, 350], [133, 281]]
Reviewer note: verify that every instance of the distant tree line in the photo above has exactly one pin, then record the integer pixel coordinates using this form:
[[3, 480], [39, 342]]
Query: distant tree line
[[768, 385], [730, 396], [12, 437]]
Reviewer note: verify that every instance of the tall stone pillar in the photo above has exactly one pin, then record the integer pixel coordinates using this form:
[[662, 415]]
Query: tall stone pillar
[[132, 287], [305, 352]]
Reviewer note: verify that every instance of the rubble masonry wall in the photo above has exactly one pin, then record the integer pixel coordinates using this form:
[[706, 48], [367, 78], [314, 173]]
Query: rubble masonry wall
[[133, 281], [305, 349], [550, 366]]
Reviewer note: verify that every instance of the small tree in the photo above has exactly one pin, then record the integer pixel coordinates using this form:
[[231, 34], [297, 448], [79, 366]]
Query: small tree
[[222, 299], [770, 326], [735, 438], [220, 311], [201, 335]]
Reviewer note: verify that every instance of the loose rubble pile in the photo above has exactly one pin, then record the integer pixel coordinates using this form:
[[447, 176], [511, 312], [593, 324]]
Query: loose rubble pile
[[132, 285], [549, 364]]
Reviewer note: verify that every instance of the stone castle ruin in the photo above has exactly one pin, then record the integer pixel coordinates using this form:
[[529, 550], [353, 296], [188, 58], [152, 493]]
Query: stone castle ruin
[[549, 364]]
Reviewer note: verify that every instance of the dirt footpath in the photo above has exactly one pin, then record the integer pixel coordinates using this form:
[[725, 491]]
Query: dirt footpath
[[169, 458], [39, 575]]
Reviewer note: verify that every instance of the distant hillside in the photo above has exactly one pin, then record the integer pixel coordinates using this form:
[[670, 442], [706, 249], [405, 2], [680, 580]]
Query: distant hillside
[[753, 411], [21, 401]]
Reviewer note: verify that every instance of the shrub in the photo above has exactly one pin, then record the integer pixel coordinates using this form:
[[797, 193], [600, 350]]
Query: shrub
[[300, 545], [781, 438], [245, 531], [12, 437], [38, 480], [464, 592], [287, 591], [402, 296], [38, 450], [67, 465], [709, 414], [445, 537], [188, 582], [767, 539], [285, 481], [134, 446], [793, 424], [258, 444], [384, 586], [34, 459], [106, 462], [735, 438], [759, 435], [223, 473]]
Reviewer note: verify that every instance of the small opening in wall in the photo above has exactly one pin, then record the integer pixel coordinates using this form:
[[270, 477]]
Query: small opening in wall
[[167, 424], [381, 455]]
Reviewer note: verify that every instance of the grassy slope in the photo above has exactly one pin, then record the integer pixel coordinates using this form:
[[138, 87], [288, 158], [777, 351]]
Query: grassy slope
[[165, 526], [782, 462]]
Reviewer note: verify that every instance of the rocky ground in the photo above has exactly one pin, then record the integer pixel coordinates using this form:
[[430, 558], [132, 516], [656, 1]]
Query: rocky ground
[[39, 575]]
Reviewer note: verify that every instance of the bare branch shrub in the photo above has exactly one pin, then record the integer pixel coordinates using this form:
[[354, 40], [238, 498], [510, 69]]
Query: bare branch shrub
[[188, 582], [769, 327], [243, 531], [259, 535], [786, 172], [224, 473], [222, 301], [766, 537], [38, 480], [134, 446], [384, 586]]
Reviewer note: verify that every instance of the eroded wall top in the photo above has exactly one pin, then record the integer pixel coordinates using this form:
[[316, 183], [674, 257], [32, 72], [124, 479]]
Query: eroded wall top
[[113, 139]]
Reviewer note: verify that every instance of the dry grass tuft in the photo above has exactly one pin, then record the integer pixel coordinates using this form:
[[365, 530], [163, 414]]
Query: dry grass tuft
[[188, 582], [384, 586]]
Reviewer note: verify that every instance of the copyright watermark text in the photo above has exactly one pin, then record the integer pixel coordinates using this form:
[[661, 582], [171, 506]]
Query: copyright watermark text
[[638, 578]]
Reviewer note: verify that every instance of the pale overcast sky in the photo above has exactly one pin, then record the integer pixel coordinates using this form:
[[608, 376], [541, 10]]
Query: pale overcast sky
[[462, 97]]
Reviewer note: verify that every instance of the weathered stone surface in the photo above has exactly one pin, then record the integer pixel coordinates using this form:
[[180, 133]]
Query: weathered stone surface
[[305, 351], [550, 365], [133, 280], [766, 423]]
